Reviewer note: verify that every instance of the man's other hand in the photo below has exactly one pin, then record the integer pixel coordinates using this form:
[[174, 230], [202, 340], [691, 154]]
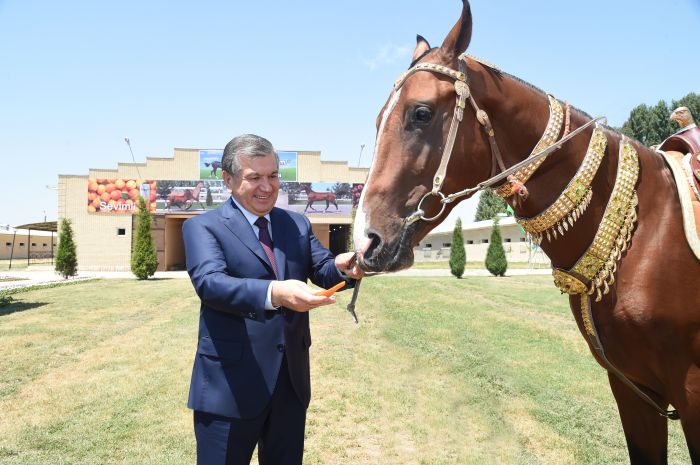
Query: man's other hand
[[346, 263], [297, 295]]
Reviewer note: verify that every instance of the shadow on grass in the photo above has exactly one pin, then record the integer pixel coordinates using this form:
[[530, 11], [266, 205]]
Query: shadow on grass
[[18, 306]]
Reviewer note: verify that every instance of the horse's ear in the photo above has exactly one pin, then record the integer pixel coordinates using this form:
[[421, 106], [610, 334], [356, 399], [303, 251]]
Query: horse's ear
[[459, 37], [422, 46]]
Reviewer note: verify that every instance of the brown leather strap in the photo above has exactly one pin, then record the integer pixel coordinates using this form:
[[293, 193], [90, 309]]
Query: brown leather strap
[[597, 345]]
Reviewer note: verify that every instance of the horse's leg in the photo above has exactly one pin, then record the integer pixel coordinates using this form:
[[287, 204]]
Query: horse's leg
[[327, 206], [646, 431], [690, 412], [336, 205]]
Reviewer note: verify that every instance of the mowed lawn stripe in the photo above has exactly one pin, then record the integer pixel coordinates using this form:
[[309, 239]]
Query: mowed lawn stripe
[[439, 371], [120, 397]]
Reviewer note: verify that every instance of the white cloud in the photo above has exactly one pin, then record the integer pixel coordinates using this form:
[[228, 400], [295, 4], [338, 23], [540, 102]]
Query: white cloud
[[387, 55]]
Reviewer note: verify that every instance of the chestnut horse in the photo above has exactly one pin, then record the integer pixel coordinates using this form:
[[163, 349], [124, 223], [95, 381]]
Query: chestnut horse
[[185, 198], [648, 313], [313, 196]]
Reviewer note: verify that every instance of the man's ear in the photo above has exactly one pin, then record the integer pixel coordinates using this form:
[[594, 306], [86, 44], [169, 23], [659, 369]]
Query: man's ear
[[228, 180]]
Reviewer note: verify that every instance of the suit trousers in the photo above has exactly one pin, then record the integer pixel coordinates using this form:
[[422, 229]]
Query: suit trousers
[[278, 431]]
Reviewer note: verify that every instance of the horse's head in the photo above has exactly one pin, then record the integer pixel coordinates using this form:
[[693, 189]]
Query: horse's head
[[412, 132]]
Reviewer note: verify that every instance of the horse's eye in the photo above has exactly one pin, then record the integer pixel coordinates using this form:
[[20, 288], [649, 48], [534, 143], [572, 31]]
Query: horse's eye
[[422, 115]]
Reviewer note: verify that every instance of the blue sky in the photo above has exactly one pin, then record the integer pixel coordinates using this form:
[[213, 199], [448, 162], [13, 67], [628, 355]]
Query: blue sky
[[79, 76]]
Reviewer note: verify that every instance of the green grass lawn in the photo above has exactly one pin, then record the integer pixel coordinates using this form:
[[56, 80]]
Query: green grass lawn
[[439, 371], [21, 263], [288, 174], [205, 174]]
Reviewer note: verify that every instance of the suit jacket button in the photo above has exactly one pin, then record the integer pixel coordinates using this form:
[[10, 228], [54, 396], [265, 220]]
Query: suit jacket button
[[280, 347]]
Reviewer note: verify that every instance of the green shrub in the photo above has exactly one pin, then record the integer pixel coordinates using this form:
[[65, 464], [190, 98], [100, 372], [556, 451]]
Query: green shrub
[[66, 255], [144, 260], [5, 299], [458, 257], [496, 261]]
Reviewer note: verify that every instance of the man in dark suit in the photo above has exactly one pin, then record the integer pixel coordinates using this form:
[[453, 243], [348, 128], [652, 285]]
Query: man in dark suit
[[249, 263]]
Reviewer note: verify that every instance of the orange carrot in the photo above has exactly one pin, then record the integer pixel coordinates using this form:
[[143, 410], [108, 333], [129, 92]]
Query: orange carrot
[[331, 291]]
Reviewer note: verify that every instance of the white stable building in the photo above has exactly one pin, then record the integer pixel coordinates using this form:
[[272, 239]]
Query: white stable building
[[477, 235]]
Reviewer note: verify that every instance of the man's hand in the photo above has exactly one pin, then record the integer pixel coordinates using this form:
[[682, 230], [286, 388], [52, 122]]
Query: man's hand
[[296, 295], [346, 263]]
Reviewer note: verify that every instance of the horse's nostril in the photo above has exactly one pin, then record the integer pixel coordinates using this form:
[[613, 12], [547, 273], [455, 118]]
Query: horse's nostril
[[374, 246]]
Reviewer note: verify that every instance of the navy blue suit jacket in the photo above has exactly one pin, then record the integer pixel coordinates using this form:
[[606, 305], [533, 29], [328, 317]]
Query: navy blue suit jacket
[[240, 348]]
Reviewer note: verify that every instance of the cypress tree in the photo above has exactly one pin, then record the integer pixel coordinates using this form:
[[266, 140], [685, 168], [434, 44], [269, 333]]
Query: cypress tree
[[66, 256], [490, 205], [458, 257], [496, 261], [144, 260]]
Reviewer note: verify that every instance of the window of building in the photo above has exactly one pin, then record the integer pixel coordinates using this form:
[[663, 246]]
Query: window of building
[[522, 239], [427, 246], [447, 244], [470, 242], [45, 244], [507, 239], [21, 244], [121, 232], [484, 241], [33, 244], [8, 244]]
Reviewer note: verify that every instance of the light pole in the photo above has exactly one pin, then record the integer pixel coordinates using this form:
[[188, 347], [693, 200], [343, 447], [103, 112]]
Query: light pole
[[362, 146], [128, 142]]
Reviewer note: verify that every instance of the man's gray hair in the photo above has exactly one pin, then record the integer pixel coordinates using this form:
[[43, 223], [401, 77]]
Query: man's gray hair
[[246, 145]]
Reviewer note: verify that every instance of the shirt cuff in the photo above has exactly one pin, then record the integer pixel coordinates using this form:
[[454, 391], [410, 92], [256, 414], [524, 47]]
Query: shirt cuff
[[268, 299]]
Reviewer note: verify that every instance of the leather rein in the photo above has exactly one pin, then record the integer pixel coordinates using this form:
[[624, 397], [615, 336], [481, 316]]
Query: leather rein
[[461, 86]]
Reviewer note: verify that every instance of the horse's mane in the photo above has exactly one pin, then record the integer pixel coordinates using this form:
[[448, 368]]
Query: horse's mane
[[500, 74]]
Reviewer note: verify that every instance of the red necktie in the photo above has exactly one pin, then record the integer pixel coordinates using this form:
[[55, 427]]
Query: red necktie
[[266, 241]]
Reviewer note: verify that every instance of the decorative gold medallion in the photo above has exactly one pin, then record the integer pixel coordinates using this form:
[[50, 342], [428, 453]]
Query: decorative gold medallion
[[462, 89], [549, 137], [568, 284], [571, 204]]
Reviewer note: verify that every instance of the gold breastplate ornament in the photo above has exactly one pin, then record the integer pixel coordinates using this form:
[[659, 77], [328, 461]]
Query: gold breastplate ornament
[[566, 209], [594, 272], [549, 137]]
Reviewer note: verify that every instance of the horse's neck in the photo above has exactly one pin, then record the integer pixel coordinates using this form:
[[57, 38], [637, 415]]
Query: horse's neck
[[523, 118]]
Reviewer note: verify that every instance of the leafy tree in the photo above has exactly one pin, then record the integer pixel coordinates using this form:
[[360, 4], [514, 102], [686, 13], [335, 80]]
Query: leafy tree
[[342, 190], [66, 255], [490, 205], [458, 257], [144, 260], [651, 125], [496, 261], [692, 101]]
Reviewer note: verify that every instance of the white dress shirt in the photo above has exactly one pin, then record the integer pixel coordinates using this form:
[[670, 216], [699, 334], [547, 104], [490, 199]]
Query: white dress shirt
[[252, 219]]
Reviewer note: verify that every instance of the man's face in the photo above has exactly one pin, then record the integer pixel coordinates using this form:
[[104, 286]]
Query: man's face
[[256, 184]]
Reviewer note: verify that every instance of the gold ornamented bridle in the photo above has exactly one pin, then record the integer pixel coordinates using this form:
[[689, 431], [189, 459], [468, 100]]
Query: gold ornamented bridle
[[463, 92], [594, 272]]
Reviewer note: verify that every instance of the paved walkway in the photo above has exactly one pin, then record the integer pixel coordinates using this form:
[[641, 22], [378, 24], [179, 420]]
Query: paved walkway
[[40, 277]]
